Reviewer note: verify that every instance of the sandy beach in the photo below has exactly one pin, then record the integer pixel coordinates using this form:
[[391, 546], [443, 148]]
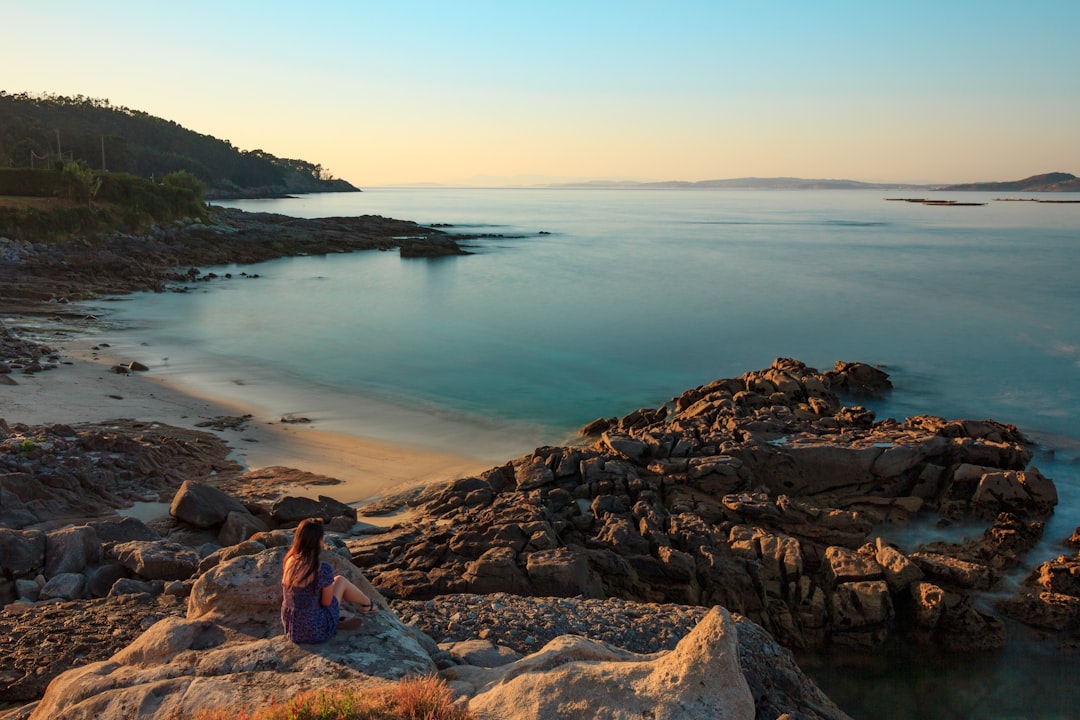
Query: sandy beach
[[86, 389]]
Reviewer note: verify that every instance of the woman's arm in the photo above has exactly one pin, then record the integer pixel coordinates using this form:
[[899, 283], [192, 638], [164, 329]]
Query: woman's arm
[[326, 584]]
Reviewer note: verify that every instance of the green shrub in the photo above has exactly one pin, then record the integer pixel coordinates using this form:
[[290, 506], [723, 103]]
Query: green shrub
[[119, 202], [32, 183], [179, 195], [41, 225]]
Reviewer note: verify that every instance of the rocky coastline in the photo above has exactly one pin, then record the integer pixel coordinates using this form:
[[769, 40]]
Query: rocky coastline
[[700, 540], [763, 494], [168, 256]]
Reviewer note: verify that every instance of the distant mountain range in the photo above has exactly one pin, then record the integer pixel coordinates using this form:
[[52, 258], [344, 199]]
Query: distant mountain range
[[1050, 182], [748, 183]]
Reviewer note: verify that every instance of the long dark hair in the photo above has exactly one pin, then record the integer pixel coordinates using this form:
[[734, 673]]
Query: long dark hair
[[302, 560]]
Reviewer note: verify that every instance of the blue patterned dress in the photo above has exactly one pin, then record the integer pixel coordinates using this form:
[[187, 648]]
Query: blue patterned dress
[[304, 618]]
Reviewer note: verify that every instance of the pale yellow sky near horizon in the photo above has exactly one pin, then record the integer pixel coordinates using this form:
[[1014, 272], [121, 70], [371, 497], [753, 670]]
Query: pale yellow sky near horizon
[[486, 93]]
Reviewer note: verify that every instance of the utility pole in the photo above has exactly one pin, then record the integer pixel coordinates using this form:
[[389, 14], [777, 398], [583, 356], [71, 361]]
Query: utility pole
[[102, 153], [59, 155]]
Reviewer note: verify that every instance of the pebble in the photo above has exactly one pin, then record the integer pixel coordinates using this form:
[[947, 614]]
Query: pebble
[[526, 624]]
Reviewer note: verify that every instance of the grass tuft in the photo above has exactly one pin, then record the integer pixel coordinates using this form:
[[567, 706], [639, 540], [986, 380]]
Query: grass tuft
[[422, 698]]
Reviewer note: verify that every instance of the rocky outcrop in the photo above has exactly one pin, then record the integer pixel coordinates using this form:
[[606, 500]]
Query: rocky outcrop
[[202, 505], [1049, 600], [121, 262], [54, 474], [226, 652], [514, 626], [21, 356], [224, 649], [74, 563], [763, 494], [59, 472], [573, 677]]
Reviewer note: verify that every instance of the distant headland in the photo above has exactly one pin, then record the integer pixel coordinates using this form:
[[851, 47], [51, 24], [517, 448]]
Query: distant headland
[[1049, 182], [40, 131]]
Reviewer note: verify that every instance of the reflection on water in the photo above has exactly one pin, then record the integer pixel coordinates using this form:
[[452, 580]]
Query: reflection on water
[[145, 511]]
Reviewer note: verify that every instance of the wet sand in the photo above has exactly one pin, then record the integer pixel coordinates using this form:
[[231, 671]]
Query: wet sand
[[87, 390]]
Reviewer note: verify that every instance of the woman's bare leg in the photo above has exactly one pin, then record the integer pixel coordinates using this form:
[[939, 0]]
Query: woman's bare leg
[[345, 590]]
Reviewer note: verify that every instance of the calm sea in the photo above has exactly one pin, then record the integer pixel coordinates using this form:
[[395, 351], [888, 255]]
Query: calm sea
[[587, 303]]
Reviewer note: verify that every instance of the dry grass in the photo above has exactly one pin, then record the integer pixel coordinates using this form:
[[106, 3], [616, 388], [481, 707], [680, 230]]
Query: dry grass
[[425, 698]]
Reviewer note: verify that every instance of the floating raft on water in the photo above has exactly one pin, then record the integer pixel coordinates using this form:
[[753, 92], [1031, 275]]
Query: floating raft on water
[[927, 201], [1038, 200], [957, 203]]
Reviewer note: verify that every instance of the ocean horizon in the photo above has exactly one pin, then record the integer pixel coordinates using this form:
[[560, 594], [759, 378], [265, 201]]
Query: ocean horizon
[[582, 303]]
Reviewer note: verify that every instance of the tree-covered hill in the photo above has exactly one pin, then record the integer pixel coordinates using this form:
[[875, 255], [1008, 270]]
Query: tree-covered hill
[[34, 129]]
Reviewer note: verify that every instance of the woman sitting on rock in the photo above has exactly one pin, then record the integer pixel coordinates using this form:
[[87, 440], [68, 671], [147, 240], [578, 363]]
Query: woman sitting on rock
[[312, 594]]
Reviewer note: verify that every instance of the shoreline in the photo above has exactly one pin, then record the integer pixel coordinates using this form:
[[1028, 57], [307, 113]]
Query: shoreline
[[86, 389], [372, 446]]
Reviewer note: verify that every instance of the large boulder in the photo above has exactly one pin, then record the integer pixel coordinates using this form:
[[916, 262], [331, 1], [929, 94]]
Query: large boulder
[[858, 379], [71, 550], [899, 571], [239, 526], [861, 612], [245, 590], [1060, 575], [123, 529], [954, 572], [156, 560], [101, 578], [20, 497], [291, 509], [481, 653], [203, 506], [1045, 610], [563, 573], [64, 586], [1026, 493], [573, 677], [843, 566], [22, 553], [496, 571]]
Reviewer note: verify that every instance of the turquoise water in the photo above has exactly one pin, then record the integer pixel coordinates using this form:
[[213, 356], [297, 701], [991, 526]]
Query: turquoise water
[[637, 295], [629, 297], [597, 302]]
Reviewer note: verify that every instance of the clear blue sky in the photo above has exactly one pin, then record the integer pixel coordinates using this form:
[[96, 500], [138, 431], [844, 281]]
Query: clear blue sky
[[398, 92]]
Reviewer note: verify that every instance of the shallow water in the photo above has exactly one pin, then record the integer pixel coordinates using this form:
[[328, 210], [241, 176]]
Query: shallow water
[[637, 295], [630, 297]]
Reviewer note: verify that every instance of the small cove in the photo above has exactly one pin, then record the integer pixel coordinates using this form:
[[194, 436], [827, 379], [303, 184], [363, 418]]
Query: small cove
[[635, 296]]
